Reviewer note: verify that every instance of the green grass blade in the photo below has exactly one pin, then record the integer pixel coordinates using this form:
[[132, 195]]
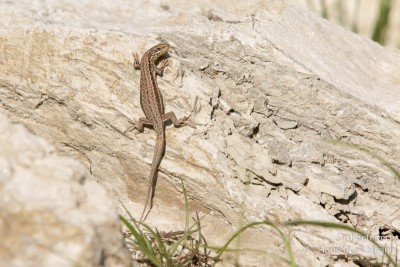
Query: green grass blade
[[186, 207], [142, 242], [160, 244], [324, 9], [238, 232], [384, 162], [379, 34], [142, 236], [182, 240]]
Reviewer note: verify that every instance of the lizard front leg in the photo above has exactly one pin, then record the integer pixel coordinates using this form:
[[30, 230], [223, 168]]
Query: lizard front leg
[[160, 70], [136, 61]]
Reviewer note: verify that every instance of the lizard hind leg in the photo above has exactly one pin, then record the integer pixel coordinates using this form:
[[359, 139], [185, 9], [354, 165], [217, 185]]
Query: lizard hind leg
[[170, 116], [139, 125]]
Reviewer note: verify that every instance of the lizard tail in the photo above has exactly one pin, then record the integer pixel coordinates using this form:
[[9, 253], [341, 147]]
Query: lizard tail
[[159, 150]]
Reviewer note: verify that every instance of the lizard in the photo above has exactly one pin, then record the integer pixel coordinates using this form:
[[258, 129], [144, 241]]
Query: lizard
[[151, 102]]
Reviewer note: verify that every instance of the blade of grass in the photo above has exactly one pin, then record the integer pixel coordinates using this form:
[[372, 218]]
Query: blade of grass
[[384, 162], [238, 232], [379, 34], [140, 241], [182, 240], [160, 244], [186, 206], [188, 232], [142, 235], [200, 236], [324, 9]]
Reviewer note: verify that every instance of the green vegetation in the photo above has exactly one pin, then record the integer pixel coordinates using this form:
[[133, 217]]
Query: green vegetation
[[381, 25], [163, 249], [380, 28]]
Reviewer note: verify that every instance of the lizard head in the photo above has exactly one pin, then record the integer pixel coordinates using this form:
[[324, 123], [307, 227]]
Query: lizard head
[[158, 50]]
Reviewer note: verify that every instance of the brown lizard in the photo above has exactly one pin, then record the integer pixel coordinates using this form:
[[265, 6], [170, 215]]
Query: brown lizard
[[152, 105]]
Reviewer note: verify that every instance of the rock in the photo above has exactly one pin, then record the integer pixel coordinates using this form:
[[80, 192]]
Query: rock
[[285, 124], [280, 151], [251, 157], [52, 212], [323, 181], [306, 152], [279, 92]]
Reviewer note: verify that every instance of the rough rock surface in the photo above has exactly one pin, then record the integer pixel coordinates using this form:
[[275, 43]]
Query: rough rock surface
[[275, 85], [52, 212]]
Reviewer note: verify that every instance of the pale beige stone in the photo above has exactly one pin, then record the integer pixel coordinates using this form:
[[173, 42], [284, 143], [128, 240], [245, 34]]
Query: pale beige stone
[[52, 212], [66, 74]]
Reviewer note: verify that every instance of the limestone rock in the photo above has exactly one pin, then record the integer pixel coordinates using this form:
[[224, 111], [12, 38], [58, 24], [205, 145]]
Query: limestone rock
[[52, 213], [279, 90]]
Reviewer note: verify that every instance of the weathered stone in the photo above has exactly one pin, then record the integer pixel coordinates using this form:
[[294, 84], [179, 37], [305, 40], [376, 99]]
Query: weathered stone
[[52, 212], [285, 124], [250, 156], [273, 88], [322, 181], [306, 152], [280, 151]]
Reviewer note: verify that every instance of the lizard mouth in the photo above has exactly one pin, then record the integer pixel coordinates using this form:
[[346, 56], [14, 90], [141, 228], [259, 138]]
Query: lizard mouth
[[158, 51], [165, 49], [162, 53]]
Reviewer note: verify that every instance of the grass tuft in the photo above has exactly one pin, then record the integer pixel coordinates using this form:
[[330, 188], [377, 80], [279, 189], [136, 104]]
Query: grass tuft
[[168, 249]]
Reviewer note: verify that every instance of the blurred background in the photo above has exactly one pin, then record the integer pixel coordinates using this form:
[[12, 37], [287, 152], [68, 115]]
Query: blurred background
[[376, 19]]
